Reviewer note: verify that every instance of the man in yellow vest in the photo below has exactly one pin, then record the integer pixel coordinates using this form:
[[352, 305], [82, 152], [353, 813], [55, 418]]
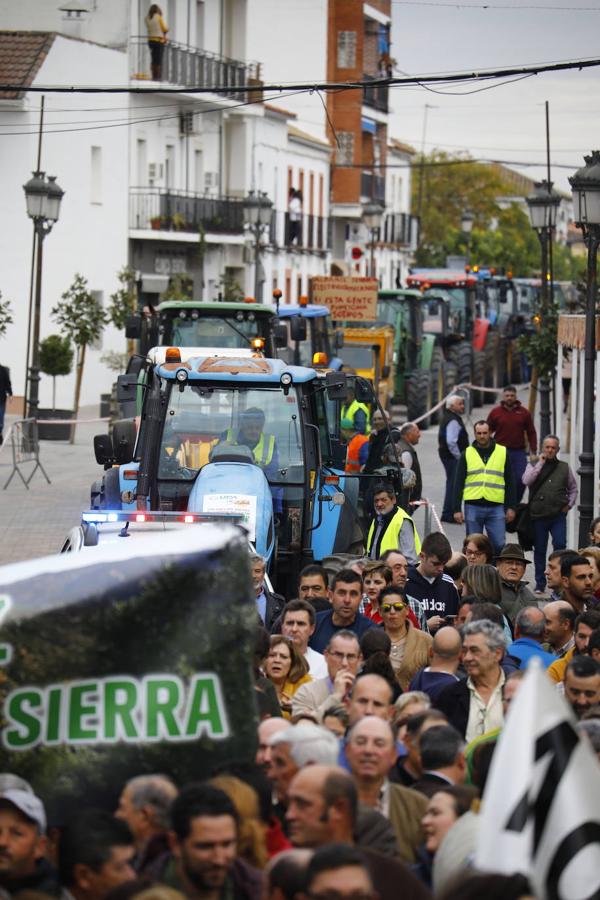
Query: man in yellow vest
[[357, 412], [484, 481], [263, 446], [392, 528]]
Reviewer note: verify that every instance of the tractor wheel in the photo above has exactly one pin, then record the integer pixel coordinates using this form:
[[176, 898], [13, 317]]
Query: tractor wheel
[[495, 361], [516, 369], [438, 382], [418, 396], [478, 377], [462, 356], [110, 496], [451, 377]]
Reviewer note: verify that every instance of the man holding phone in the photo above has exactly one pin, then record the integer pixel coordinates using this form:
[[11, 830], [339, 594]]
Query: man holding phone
[[428, 583]]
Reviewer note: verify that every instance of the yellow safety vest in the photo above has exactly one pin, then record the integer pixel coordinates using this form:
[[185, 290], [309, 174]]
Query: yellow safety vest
[[485, 482], [263, 451], [348, 412], [392, 533]]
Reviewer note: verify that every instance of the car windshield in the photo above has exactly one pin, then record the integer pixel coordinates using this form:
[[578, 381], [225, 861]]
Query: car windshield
[[358, 356], [191, 329], [263, 421]]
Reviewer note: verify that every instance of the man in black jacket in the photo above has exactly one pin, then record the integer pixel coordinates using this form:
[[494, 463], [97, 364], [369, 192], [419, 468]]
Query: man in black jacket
[[5, 393], [410, 435], [428, 583], [452, 440], [269, 605]]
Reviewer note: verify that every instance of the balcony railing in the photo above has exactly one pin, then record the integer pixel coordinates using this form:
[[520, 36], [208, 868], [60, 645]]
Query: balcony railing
[[310, 233], [165, 210], [190, 67], [401, 228], [375, 95], [372, 186]]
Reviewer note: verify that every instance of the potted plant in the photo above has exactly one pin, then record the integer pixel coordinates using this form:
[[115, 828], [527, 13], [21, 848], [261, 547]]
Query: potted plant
[[156, 222], [56, 358]]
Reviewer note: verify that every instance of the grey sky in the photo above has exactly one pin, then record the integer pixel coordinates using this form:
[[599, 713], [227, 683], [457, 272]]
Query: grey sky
[[505, 122]]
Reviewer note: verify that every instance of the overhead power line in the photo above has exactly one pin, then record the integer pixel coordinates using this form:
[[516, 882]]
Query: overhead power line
[[417, 80]]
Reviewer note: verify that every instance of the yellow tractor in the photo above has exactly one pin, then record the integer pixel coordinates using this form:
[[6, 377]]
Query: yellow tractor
[[369, 351]]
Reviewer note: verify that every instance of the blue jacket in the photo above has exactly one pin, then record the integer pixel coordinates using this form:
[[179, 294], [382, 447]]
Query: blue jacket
[[526, 648]]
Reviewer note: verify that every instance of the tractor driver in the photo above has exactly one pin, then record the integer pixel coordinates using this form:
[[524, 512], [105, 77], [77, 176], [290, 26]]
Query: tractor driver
[[263, 446]]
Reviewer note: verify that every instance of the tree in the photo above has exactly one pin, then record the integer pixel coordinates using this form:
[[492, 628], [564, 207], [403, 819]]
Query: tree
[[181, 287], [123, 302], [229, 288], [6, 318], [83, 320], [56, 358]]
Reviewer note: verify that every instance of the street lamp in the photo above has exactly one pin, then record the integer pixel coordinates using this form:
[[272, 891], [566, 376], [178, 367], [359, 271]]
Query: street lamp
[[543, 205], [466, 226], [372, 216], [43, 196], [586, 199], [257, 216]]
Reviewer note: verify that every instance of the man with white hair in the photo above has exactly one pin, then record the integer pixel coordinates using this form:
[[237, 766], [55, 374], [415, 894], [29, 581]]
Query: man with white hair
[[269, 605], [296, 747], [452, 440], [144, 805]]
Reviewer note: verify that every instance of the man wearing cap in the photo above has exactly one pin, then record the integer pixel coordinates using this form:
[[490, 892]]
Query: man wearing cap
[[552, 493], [23, 866], [511, 564]]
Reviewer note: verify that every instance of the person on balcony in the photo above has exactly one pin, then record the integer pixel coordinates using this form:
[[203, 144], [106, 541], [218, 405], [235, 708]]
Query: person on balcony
[[294, 216], [157, 38]]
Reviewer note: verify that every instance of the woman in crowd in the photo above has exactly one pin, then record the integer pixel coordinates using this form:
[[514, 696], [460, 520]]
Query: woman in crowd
[[287, 669], [478, 549], [410, 647], [595, 532], [376, 576], [443, 810], [481, 584]]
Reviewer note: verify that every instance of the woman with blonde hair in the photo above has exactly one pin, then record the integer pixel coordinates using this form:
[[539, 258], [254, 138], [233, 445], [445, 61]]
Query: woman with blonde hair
[[287, 669], [483, 583], [157, 38], [252, 845]]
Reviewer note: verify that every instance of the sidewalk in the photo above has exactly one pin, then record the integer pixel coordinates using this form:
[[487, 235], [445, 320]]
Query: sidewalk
[[34, 522]]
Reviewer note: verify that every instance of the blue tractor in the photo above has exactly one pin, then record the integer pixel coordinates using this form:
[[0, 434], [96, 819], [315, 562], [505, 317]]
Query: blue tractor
[[312, 340]]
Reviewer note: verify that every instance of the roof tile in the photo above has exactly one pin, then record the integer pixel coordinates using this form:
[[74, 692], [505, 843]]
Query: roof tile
[[21, 55]]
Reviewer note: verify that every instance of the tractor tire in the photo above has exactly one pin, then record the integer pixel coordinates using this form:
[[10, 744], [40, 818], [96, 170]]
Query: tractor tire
[[462, 356], [478, 377], [110, 492], [516, 369], [495, 361], [451, 377], [438, 382], [418, 396]]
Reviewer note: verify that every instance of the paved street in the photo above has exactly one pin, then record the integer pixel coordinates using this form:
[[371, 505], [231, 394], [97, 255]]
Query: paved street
[[34, 523]]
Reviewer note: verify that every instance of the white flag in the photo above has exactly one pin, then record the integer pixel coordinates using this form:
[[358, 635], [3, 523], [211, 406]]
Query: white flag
[[541, 807]]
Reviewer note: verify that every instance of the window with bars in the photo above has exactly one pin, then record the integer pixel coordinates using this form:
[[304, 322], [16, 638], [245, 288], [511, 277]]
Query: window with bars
[[346, 50], [345, 148]]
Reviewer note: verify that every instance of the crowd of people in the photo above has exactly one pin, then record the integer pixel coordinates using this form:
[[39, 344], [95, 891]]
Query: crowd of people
[[381, 691]]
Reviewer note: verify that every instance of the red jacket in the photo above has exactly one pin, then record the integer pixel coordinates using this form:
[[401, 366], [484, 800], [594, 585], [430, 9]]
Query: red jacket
[[508, 426]]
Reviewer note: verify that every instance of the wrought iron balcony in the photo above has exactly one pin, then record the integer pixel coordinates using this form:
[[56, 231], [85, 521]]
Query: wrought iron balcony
[[375, 95], [309, 234], [165, 210], [401, 228], [190, 67], [372, 186]]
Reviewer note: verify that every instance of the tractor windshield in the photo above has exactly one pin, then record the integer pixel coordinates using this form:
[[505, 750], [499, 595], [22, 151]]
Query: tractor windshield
[[194, 329], [263, 423], [358, 356]]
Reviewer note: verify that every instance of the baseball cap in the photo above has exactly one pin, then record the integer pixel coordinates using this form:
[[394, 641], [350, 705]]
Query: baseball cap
[[30, 805]]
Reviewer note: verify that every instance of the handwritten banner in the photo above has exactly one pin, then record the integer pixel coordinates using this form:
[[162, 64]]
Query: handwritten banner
[[348, 299]]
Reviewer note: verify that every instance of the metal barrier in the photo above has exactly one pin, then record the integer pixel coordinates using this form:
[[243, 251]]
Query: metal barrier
[[25, 446]]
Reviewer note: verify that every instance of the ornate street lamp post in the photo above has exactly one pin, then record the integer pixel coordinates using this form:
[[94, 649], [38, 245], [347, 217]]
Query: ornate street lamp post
[[586, 200], [257, 216], [43, 196], [543, 205], [372, 216], [466, 226]]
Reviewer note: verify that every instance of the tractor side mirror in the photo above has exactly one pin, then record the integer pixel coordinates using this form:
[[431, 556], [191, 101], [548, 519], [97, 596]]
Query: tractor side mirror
[[336, 385], [135, 364], [127, 394], [103, 450], [363, 390], [339, 339], [298, 328], [280, 333], [133, 327], [123, 439]]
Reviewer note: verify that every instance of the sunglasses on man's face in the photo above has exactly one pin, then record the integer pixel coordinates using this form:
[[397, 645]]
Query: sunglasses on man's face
[[388, 607]]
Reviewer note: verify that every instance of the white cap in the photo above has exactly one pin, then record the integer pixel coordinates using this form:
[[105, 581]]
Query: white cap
[[30, 805]]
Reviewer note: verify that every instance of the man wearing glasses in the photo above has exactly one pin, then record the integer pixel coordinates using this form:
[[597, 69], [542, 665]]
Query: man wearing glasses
[[342, 657]]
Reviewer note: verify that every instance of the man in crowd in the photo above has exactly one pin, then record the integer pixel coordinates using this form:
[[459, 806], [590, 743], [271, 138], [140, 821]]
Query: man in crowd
[[96, 853], [410, 435], [322, 810], [552, 493], [371, 752], [428, 583], [357, 412], [560, 625], [582, 684], [371, 695], [399, 566], [266, 729], [337, 870], [484, 481], [530, 627], [301, 745], [474, 706], [203, 861], [577, 578], [552, 572], [23, 866], [285, 874], [144, 805], [298, 623], [268, 604], [583, 628], [408, 769], [511, 564], [442, 752], [392, 528], [452, 441], [342, 657], [345, 596], [445, 658], [511, 424]]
